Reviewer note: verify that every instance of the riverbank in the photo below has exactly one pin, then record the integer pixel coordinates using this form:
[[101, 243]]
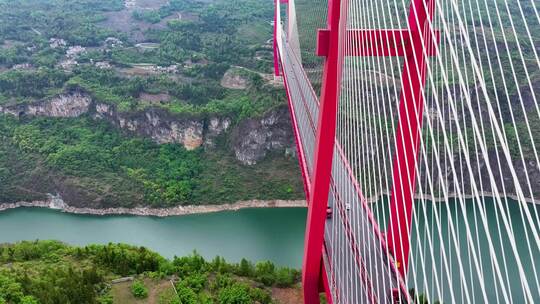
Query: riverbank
[[55, 202], [257, 234], [58, 204]]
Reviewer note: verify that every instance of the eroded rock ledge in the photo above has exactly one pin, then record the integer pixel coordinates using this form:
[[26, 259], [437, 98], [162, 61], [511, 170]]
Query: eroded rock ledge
[[252, 138]]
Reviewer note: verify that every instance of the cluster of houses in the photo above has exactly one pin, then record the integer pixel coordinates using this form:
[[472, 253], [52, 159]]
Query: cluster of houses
[[72, 54], [113, 42], [130, 3], [172, 69], [56, 43], [22, 66]]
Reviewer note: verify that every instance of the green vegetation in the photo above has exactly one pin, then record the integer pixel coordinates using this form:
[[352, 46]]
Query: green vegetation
[[139, 290], [32, 21], [51, 272], [27, 85], [91, 161], [99, 163], [202, 47], [148, 16], [202, 97]]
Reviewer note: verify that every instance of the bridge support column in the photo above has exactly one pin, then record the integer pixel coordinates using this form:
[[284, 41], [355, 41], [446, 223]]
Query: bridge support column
[[324, 152], [407, 138], [274, 43]]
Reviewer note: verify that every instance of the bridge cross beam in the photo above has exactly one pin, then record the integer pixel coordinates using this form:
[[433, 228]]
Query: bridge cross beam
[[378, 43]]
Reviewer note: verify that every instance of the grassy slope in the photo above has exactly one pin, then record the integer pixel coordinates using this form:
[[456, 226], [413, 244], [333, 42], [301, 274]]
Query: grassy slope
[[52, 272]]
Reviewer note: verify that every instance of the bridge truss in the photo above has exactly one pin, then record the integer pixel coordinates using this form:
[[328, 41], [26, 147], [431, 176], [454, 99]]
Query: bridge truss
[[416, 124]]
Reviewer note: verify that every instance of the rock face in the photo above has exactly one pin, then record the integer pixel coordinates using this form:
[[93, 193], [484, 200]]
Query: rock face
[[233, 80], [215, 127], [72, 104], [254, 138], [502, 175], [158, 125]]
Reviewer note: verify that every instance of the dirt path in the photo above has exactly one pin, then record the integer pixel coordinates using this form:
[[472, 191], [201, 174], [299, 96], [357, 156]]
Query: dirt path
[[122, 292], [35, 31], [288, 295], [153, 295]]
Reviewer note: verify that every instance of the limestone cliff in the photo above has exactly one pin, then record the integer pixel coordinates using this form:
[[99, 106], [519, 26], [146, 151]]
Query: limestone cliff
[[156, 124], [251, 140], [71, 104]]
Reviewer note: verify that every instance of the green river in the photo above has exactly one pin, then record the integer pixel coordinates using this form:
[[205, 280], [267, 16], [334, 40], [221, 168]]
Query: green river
[[275, 234]]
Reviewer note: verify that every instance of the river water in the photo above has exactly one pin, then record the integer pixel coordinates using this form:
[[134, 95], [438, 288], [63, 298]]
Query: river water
[[275, 234], [456, 270]]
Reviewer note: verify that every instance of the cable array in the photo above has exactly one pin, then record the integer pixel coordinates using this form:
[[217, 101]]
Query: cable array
[[311, 15], [474, 228]]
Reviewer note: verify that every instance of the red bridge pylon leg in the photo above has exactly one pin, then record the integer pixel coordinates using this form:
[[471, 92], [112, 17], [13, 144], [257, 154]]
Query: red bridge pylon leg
[[407, 137], [274, 43], [324, 152]]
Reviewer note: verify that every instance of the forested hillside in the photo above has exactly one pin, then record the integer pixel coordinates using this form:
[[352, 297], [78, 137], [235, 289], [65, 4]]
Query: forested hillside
[[141, 103], [51, 272]]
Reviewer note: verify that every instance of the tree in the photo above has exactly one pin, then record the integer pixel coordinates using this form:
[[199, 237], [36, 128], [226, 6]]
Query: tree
[[257, 80], [10, 290], [196, 282], [286, 277], [260, 296], [265, 273], [106, 299], [245, 268], [28, 300]]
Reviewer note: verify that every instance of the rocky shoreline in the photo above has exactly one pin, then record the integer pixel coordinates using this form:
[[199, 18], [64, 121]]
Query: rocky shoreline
[[58, 204]]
